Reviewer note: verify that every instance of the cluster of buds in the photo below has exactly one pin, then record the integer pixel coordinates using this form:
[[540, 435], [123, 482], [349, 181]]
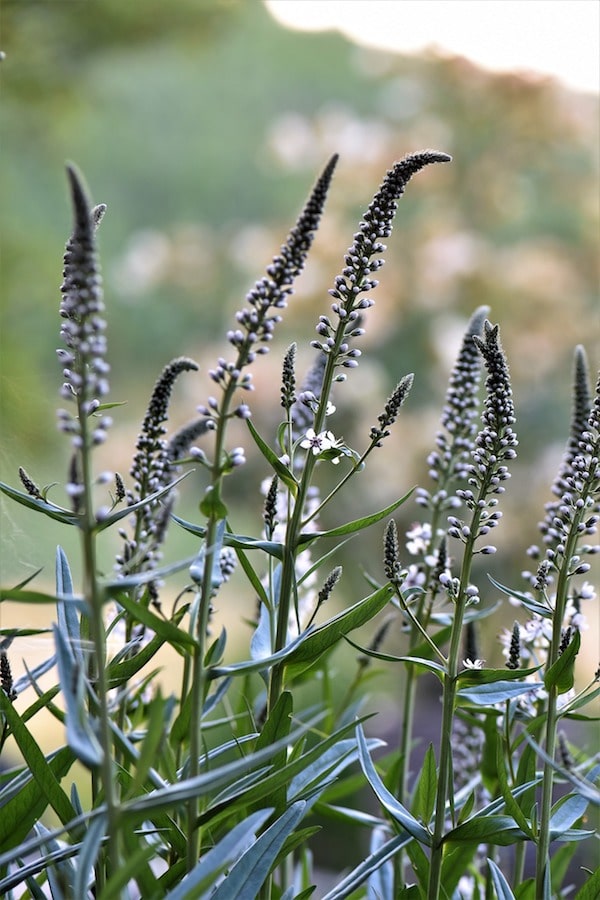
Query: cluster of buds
[[85, 368]]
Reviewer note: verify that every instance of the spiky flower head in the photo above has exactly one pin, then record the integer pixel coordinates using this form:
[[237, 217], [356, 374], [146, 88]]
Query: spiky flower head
[[448, 463], [152, 469], [288, 378], [85, 368], [256, 322], [363, 259], [391, 410], [578, 472]]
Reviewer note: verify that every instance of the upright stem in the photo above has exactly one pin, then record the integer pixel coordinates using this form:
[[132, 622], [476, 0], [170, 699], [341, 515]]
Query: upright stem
[[449, 699], [93, 596], [543, 849]]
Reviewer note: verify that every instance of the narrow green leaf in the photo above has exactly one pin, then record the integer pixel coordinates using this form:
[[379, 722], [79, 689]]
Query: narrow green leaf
[[123, 670], [257, 665], [282, 471], [326, 636], [25, 807], [426, 789], [278, 721], [512, 807], [237, 541], [248, 874], [500, 830], [496, 692], [36, 761], [80, 731], [565, 813], [489, 676], [420, 863], [128, 870], [501, 887], [561, 674], [209, 782], [21, 596], [416, 661], [387, 799], [204, 875], [583, 786], [591, 889], [356, 525], [95, 835], [361, 873], [169, 632], [126, 511], [68, 618], [158, 718], [528, 602], [67, 517]]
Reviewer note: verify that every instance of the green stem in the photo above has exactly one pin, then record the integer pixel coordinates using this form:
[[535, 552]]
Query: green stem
[[444, 786], [543, 849], [93, 596]]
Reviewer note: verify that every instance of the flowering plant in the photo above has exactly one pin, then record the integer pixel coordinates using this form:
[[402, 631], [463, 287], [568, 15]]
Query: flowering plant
[[215, 791]]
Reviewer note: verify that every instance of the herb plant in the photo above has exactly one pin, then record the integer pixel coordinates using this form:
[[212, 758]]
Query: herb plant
[[212, 791]]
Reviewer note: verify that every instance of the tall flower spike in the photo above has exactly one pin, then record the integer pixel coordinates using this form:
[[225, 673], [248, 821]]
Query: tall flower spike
[[363, 259], [458, 426], [288, 378], [84, 365], [255, 323], [494, 446], [152, 470], [496, 442], [580, 411], [391, 410]]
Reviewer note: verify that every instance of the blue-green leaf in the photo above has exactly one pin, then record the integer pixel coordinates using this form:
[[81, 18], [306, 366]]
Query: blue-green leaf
[[528, 602], [361, 873], [80, 733], [501, 886], [496, 692], [387, 799], [237, 541], [200, 881], [49, 509], [247, 876]]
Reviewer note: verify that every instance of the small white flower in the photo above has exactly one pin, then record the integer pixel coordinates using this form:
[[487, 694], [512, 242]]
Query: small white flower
[[473, 663], [318, 442], [419, 538], [330, 409]]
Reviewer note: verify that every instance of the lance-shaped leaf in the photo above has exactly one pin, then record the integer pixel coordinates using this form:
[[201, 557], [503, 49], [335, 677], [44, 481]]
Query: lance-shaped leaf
[[321, 639], [561, 674], [249, 873], [387, 799], [204, 876], [80, 732]]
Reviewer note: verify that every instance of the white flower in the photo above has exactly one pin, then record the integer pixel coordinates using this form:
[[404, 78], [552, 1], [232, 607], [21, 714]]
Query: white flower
[[473, 663], [330, 409], [318, 442], [419, 538]]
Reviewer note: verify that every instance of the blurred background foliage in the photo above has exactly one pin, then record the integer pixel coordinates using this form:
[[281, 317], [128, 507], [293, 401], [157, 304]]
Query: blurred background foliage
[[203, 125]]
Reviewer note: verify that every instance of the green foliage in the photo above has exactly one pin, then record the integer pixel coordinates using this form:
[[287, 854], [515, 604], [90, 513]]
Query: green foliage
[[220, 789]]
